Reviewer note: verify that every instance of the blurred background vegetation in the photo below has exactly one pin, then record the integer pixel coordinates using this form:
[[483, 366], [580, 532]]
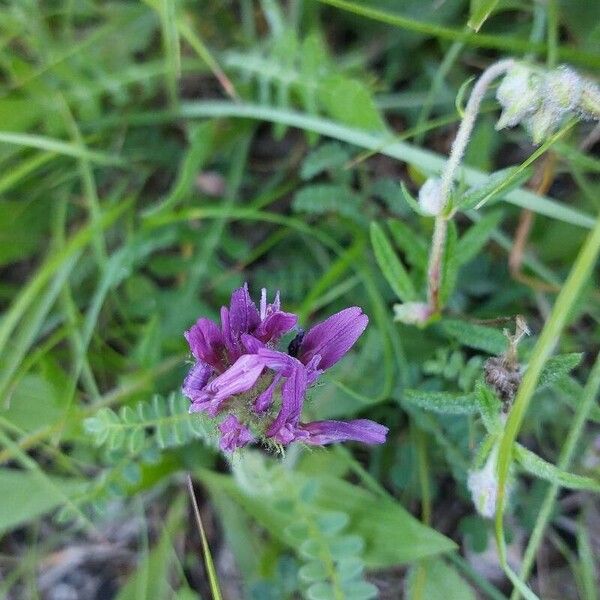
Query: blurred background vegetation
[[156, 154]]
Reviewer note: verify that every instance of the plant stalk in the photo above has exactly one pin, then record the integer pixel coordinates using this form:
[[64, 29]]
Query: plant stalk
[[438, 242]]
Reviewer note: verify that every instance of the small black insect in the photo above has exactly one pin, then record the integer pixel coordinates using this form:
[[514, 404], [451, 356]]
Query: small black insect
[[294, 345]]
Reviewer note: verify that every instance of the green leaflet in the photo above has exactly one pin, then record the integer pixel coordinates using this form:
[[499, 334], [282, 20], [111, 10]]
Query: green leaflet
[[479, 11], [164, 422], [500, 182], [443, 402], [391, 267], [324, 198], [327, 156], [413, 246], [475, 336], [538, 467], [558, 367], [391, 534]]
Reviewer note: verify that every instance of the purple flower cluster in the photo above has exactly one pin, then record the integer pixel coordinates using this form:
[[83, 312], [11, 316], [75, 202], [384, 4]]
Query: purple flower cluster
[[240, 372]]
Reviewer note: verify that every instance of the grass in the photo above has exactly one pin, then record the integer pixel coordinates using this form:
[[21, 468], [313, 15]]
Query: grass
[[153, 158]]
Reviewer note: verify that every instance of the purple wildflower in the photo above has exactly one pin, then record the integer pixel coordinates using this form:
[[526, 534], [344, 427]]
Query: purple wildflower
[[240, 371], [234, 434]]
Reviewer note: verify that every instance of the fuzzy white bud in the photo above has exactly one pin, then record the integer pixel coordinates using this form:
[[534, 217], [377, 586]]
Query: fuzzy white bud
[[431, 201], [519, 95], [483, 485], [412, 313]]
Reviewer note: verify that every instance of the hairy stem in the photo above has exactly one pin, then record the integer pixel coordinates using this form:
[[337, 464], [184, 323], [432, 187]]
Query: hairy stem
[[438, 242]]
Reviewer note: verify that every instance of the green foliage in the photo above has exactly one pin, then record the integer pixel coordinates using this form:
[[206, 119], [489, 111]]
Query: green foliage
[[496, 184], [480, 10], [436, 580], [390, 265], [442, 402], [163, 422], [475, 238], [291, 68], [558, 367], [320, 199], [27, 501], [156, 155], [542, 469], [472, 335]]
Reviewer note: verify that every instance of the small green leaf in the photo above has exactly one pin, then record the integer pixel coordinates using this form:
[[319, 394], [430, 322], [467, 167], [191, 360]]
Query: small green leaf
[[460, 96], [350, 102], [310, 549], [542, 469], [479, 12], [313, 571], [390, 265], [449, 265], [443, 402], [475, 336], [321, 591], [346, 546], [324, 198], [412, 201], [136, 441], [332, 522], [359, 590], [557, 367], [413, 246], [350, 568], [500, 182], [330, 155]]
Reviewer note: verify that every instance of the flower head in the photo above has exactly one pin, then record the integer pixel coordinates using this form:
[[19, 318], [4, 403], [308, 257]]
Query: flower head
[[240, 371]]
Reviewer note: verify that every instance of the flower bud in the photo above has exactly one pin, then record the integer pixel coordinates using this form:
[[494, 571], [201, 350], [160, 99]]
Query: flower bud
[[483, 485], [519, 95], [544, 122], [563, 88], [412, 313], [430, 197], [589, 103]]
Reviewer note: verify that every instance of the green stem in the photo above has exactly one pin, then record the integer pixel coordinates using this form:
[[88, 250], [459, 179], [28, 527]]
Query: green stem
[[507, 43], [566, 299], [584, 408], [438, 241]]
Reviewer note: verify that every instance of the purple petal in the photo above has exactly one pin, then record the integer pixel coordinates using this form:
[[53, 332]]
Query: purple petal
[[265, 399], [333, 337], [196, 380], [229, 341], [206, 343], [279, 361], [312, 373], [239, 378], [275, 325], [360, 430], [234, 434], [292, 397], [243, 316], [251, 344]]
